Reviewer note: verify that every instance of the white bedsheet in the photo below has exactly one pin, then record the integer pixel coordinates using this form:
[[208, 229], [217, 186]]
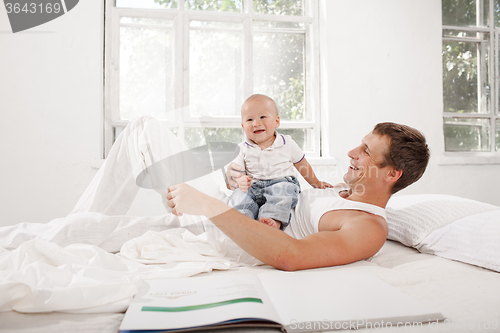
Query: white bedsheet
[[466, 295], [41, 273]]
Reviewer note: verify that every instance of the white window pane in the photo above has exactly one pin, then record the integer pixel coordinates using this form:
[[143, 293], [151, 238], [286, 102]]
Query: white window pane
[[146, 68], [215, 69], [148, 4], [118, 130], [455, 33], [279, 7], [214, 5], [195, 137], [304, 137], [464, 13], [277, 24], [213, 25], [497, 135], [466, 134], [465, 77], [279, 72]]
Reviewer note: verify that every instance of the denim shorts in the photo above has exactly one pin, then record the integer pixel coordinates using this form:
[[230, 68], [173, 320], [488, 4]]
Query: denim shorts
[[273, 198]]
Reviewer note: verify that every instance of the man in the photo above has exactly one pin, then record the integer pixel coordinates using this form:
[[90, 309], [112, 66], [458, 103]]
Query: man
[[388, 159]]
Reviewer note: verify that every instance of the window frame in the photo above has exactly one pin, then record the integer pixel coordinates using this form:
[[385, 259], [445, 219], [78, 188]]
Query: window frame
[[492, 115], [181, 18]]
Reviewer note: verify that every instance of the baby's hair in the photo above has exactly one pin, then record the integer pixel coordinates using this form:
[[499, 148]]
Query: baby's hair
[[269, 99]]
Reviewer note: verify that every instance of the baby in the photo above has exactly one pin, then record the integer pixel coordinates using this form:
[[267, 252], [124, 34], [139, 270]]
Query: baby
[[268, 190]]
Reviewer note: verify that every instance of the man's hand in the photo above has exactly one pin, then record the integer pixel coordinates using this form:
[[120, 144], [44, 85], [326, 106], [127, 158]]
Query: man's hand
[[322, 185], [234, 172], [185, 199]]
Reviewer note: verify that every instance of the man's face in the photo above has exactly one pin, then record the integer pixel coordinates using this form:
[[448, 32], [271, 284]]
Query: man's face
[[259, 120], [365, 161]]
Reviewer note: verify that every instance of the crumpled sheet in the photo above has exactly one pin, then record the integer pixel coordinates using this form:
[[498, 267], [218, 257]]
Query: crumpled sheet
[[42, 276]]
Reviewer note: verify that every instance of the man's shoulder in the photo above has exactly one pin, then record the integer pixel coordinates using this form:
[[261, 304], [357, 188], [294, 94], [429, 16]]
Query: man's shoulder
[[361, 220]]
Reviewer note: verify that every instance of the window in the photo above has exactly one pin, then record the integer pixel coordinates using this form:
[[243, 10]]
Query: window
[[471, 30], [192, 63]]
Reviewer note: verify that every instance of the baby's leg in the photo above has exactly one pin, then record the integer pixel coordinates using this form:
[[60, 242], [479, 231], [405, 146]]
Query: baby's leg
[[270, 222], [281, 197], [244, 202], [137, 160]]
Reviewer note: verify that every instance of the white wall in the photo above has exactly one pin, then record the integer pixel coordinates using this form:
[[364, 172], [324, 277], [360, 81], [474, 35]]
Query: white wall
[[51, 108], [381, 61]]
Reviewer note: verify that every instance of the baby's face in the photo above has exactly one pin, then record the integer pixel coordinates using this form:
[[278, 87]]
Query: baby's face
[[259, 119]]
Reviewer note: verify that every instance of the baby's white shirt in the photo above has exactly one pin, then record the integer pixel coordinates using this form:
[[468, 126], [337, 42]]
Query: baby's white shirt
[[274, 162]]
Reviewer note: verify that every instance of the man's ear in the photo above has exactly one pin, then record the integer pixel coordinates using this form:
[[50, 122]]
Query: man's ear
[[393, 175], [278, 121]]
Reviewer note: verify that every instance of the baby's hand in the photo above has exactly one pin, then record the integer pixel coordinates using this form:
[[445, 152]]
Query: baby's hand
[[233, 173], [244, 182], [344, 190], [322, 185]]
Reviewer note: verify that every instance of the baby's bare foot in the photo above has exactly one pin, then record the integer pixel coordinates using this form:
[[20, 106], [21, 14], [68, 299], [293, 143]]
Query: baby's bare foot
[[270, 222]]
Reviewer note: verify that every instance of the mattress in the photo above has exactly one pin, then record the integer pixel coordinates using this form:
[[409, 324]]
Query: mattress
[[465, 294]]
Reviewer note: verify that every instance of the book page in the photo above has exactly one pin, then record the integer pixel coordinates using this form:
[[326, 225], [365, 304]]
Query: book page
[[198, 301], [330, 299]]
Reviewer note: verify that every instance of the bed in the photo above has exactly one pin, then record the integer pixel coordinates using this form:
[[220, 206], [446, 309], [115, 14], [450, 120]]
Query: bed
[[442, 250]]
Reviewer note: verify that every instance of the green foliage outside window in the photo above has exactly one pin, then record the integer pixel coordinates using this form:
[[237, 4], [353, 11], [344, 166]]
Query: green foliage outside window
[[467, 86], [460, 80]]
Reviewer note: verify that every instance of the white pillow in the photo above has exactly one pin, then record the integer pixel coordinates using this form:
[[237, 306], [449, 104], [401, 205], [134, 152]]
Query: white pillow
[[412, 217], [473, 239], [447, 226]]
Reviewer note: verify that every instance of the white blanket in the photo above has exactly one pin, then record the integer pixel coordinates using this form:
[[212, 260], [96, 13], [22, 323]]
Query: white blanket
[[46, 267], [68, 264]]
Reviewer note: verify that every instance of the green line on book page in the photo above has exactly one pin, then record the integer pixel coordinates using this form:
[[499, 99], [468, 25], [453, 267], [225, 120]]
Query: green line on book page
[[201, 306]]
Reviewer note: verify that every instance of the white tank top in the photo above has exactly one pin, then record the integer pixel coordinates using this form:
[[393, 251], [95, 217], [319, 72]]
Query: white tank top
[[314, 203]]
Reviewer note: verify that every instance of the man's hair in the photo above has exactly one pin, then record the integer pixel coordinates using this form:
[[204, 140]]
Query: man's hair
[[408, 152], [260, 96]]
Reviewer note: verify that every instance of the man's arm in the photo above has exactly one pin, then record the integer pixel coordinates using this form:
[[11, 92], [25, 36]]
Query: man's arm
[[358, 239], [353, 242]]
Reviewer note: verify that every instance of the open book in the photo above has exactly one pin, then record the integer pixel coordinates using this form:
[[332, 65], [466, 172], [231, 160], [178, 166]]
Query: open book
[[314, 300]]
